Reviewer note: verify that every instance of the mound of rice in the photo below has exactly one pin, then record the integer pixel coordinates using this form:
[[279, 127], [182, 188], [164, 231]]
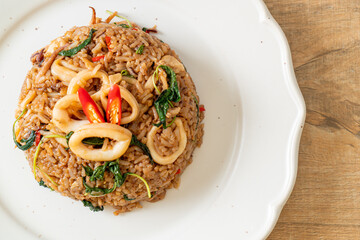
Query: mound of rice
[[62, 170]]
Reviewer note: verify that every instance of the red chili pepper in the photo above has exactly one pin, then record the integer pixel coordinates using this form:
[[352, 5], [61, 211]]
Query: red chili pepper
[[95, 59], [134, 29], [108, 42], [151, 30], [113, 109], [89, 107], [202, 109], [37, 138], [178, 172]]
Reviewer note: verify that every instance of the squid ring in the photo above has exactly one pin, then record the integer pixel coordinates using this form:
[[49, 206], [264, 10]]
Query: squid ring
[[61, 117], [82, 77], [120, 135], [63, 73], [167, 159], [172, 62], [151, 80], [125, 94]]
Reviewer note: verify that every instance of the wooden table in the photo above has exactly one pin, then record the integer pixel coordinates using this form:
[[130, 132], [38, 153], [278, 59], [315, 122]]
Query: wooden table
[[324, 37]]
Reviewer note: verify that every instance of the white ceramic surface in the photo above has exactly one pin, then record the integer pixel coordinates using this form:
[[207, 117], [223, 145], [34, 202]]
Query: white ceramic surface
[[245, 170]]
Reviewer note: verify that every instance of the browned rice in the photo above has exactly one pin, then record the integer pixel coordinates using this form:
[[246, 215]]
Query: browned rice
[[64, 167]]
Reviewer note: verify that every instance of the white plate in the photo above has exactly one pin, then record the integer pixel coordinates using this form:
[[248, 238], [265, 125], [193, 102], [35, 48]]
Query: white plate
[[245, 170]]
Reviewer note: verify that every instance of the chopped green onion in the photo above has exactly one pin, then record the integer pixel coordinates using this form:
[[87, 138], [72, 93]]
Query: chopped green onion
[[140, 50]]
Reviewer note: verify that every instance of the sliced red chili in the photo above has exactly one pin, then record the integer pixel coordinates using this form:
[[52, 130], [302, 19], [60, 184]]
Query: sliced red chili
[[134, 29], [95, 59], [151, 30], [178, 171], [113, 109], [108, 42], [89, 107], [37, 137], [201, 109]]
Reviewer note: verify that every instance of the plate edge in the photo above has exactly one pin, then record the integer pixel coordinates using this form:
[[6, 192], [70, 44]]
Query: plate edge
[[277, 205]]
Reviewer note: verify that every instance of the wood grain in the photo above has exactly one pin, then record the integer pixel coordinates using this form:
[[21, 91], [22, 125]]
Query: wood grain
[[324, 37]]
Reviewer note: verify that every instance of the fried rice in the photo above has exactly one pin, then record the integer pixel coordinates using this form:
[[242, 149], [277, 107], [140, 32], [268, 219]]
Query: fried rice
[[57, 166]]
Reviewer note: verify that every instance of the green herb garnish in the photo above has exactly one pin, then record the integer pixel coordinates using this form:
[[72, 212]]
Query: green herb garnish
[[127, 198], [98, 173], [136, 142], [75, 50], [110, 12], [67, 137], [164, 100], [91, 206], [119, 178], [97, 191], [29, 141], [126, 73], [42, 183], [37, 151], [140, 50], [115, 169], [144, 29], [197, 111], [143, 180], [96, 141], [123, 25], [88, 170]]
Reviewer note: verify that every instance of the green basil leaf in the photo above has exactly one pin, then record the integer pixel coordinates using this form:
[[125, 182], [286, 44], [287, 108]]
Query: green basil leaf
[[171, 94], [143, 147], [197, 111], [96, 141], [118, 176], [42, 183], [75, 50], [28, 142], [127, 198], [124, 25], [88, 170], [91, 206], [97, 191], [119, 179], [67, 137], [162, 105], [175, 96], [98, 173]]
